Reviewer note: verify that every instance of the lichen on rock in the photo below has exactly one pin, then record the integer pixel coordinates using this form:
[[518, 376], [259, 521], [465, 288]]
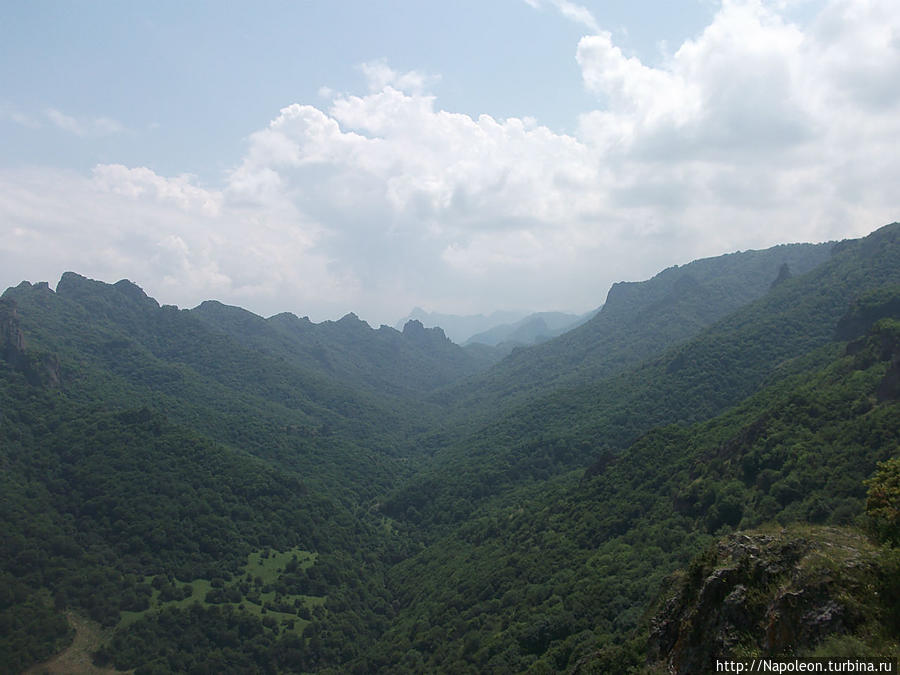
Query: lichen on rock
[[775, 593]]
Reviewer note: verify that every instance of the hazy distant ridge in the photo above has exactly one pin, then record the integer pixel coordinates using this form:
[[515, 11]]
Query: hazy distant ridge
[[532, 329], [460, 328]]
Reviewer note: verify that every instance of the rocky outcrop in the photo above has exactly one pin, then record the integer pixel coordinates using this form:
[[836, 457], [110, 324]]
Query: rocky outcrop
[[416, 333], [12, 340], [766, 594], [38, 368]]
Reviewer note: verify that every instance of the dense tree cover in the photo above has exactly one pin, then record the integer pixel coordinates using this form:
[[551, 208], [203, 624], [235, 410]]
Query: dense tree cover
[[767, 340], [883, 504], [118, 347], [152, 456], [201, 639], [30, 628], [95, 502], [543, 578], [408, 363], [639, 320]]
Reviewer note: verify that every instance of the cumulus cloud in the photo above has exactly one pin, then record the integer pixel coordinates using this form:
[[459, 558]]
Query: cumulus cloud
[[379, 75], [754, 132], [401, 189], [141, 181], [745, 84], [757, 114], [175, 239]]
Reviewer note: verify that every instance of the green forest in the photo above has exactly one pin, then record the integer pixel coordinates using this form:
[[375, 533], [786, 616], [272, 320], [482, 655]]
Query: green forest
[[217, 492]]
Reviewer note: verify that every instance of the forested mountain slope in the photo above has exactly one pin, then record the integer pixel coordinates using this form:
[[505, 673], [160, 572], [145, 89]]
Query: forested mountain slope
[[460, 328], [229, 493], [111, 513], [118, 347], [639, 320], [728, 361], [105, 353], [411, 362], [563, 570], [534, 328]]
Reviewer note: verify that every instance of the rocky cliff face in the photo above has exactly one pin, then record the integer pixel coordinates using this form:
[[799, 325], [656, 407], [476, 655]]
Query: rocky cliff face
[[767, 594], [12, 340], [38, 368], [425, 337]]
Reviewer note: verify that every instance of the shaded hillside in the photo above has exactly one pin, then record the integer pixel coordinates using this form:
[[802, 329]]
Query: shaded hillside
[[727, 362], [561, 570], [534, 328], [118, 512], [459, 328], [163, 447], [639, 320], [110, 513], [408, 363], [118, 347], [224, 491]]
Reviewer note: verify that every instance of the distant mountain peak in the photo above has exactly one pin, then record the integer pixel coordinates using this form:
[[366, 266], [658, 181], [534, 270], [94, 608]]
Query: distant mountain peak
[[459, 328], [414, 331], [351, 319], [529, 330], [133, 291], [413, 327], [70, 277], [78, 286]]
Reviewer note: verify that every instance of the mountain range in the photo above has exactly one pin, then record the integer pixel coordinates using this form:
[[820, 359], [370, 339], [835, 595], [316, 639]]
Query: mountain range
[[208, 490], [460, 328]]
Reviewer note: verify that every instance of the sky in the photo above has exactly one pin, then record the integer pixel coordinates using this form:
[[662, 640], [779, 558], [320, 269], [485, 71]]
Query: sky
[[324, 156]]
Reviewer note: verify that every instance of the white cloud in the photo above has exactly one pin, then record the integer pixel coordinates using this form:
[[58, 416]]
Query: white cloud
[[142, 181], [400, 189], [756, 131], [161, 233], [96, 126], [65, 122], [20, 118], [573, 11], [758, 119], [741, 83], [379, 75], [577, 13]]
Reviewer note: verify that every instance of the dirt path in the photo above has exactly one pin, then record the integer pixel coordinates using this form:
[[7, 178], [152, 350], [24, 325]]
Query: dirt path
[[76, 658]]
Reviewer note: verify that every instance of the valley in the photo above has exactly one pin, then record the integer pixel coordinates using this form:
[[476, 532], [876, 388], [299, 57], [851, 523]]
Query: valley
[[215, 491]]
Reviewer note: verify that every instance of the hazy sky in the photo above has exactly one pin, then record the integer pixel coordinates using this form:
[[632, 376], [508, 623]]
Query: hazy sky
[[327, 156]]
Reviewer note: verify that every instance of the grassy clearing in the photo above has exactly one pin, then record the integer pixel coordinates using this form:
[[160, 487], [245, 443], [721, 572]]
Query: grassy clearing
[[199, 589], [264, 567], [268, 565]]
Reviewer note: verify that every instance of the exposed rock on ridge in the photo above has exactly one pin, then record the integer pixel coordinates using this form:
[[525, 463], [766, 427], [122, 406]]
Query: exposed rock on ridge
[[766, 594], [38, 368]]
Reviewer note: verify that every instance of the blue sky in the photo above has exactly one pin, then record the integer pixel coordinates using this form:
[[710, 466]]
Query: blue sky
[[189, 81], [326, 157]]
